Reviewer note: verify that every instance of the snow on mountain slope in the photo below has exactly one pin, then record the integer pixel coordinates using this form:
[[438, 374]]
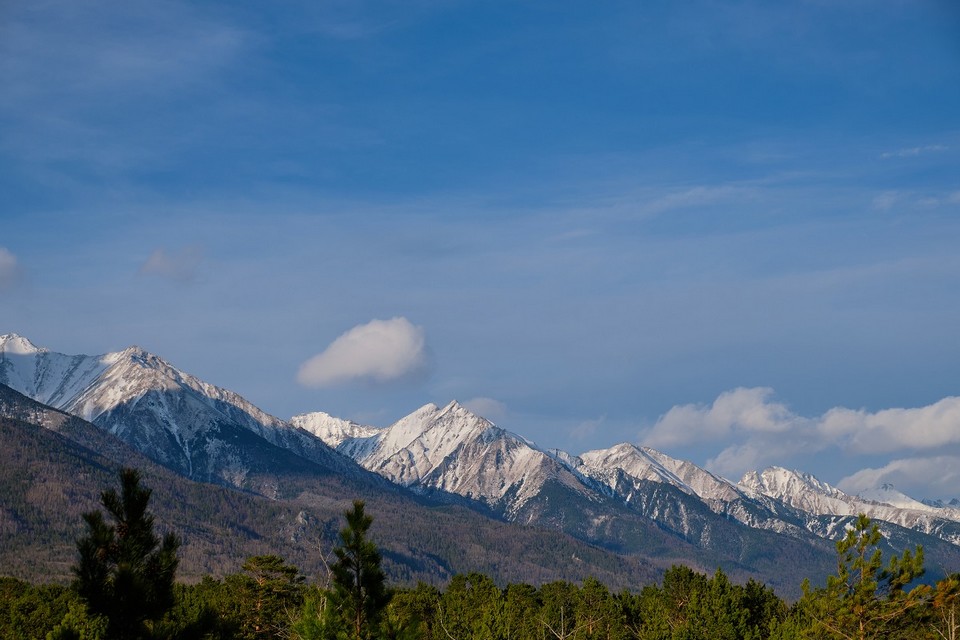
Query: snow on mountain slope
[[451, 449], [625, 468], [51, 378], [805, 492], [801, 490], [887, 494], [649, 464], [194, 427], [331, 430], [209, 433]]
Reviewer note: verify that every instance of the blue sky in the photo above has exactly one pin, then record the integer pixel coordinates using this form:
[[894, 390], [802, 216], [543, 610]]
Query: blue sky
[[726, 229]]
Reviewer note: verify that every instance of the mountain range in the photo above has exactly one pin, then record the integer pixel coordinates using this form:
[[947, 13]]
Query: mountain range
[[626, 504]]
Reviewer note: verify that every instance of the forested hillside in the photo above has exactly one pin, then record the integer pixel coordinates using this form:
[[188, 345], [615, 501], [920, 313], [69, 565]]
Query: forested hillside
[[50, 475], [123, 588]]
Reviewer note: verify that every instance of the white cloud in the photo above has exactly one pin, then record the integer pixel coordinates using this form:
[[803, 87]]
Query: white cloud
[[741, 410], [180, 266], [9, 269], [937, 475], [699, 196], [488, 408], [885, 200], [757, 431], [587, 428], [859, 431], [733, 461], [379, 351]]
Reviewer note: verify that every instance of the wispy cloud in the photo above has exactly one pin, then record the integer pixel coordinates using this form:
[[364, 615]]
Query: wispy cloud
[[378, 351], [10, 272], [913, 152], [587, 428], [180, 266], [488, 408], [95, 52], [74, 75], [885, 200], [698, 196]]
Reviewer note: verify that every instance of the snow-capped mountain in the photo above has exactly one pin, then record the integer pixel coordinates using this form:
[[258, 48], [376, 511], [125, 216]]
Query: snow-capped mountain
[[644, 463], [449, 449], [625, 468], [624, 497], [50, 378], [200, 430], [886, 493], [331, 430], [953, 503], [452, 450], [806, 493]]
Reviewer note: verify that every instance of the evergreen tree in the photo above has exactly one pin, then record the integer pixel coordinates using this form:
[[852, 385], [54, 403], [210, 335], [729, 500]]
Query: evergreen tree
[[945, 607], [521, 612], [865, 599], [471, 608], [597, 613], [416, 610], [359, 585], [271, 593], [125, 573], [557, 612]]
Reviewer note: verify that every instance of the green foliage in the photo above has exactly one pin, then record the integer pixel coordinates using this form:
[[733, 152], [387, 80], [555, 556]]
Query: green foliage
[[314, 620], [521, 606], [597, 613], [271, 596], [944, 617], [558, 601], [865, 599], [28, 612], [690, 606], [125, 573], [416, 610], [471, 608], [79, 624], [359, 585]]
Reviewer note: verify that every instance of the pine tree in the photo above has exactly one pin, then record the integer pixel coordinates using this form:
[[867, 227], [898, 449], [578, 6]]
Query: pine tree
[[865, 599], [273, 590], [359, 584], [125, 573]]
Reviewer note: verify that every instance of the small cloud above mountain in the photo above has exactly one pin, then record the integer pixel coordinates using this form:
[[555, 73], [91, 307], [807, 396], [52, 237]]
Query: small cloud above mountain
[[10, 272], [379, 351], [487, 408], [755, 430], [937, 474], [180, 266], [741, 410]]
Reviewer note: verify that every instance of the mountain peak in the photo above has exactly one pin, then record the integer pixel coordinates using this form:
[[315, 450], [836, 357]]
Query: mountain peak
[[778, 481], [136, 352], [887, 494], [453, 405], [455, 408], [14, 343], [331, 429]]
